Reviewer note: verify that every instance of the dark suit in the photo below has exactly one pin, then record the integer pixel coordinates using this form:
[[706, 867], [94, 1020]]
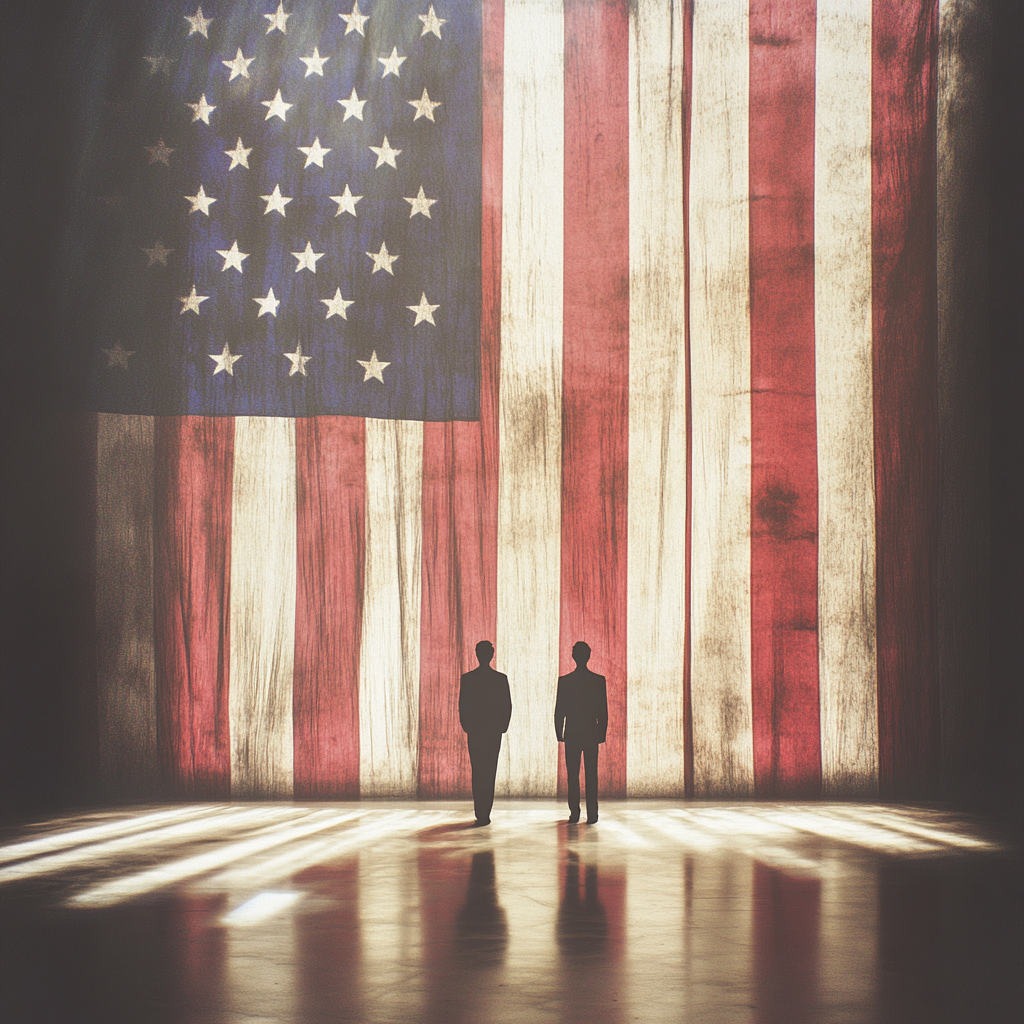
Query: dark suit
[[485, 708], [581, 721]]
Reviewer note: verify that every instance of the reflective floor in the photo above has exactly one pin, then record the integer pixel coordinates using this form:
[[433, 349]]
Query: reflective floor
[[396, 912]]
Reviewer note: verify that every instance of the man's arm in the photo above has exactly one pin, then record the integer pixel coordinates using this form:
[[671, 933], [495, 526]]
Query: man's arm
[[506, 702], [463, 704], [559, 712], [602, 711]]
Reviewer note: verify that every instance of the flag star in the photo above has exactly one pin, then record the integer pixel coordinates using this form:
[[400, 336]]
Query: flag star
[[382, 260], [424, 107], [159, 153], [276, 201], [201, 111], [315, 64], [431, 22], [276, 107], [201, 202], [268, 304], [158, 254], [117, 356], [337, 306], [225, 361], [373, 367], [385, 154], [355, 21], [307, 258], [420, 204], [239, 155], [159, 63], [353, 106], [238, 66], [232, 257], [346, 202], [392, 63], [298, 360], [191, 301], [197, 23], [424, 311], [314, 153], [278, 20]]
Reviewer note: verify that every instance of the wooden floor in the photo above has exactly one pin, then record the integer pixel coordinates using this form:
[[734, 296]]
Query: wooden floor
[[395, 912]]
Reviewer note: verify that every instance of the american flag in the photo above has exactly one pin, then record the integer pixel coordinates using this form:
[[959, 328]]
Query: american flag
[[414, 324]]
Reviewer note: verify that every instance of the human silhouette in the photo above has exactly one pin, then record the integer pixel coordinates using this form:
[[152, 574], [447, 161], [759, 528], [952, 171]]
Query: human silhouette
[[581, 722], [485, 708]]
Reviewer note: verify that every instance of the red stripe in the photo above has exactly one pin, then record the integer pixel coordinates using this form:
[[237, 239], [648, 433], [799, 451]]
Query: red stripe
[[784, 469], [595, 404], [905, 389], [687, 659], [460, 491], [330, 479], [192, 571]]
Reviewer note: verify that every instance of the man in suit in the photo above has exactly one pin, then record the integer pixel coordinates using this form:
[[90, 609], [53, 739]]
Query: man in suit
[[485, 708], [581, 722]]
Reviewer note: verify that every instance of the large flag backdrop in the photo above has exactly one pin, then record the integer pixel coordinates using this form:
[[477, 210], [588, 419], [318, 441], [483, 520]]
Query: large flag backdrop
[[410, 325]]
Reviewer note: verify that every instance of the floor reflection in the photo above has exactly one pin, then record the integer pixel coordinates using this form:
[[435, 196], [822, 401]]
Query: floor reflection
[[760, 914]]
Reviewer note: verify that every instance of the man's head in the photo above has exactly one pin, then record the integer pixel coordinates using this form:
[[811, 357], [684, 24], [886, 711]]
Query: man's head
[[581, 653], [484, 652]]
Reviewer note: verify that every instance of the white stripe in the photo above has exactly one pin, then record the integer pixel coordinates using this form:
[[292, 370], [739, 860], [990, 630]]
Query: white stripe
[[842, 359], [389, 663], [262, 606], [657, 403], [723, 752], [125, 655], [530, 392]]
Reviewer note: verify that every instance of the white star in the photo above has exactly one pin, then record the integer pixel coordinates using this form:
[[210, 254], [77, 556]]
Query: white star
[[278, 20], [276, 107], [238, 66], [268, 304], [201, 202], [424, 311], [158, 254], [431, 22], [355, 21], [392, 63], [239, 155], [276, 201], [382, 260], [159, 153], [298, 360], [353, 106], [346, 202], [197, 23], [314, 153], [337, 305], [373, 367], [225, 361], [424, 107], [315, 64], [307, 258], [385, 154], [117, 356], [420, 204], [232, 257], [191, 301], [159, 63], [201, 111]]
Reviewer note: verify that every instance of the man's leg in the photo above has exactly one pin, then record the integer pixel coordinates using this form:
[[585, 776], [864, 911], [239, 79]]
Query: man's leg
[[572, 770], [488, 771], [590, 774]]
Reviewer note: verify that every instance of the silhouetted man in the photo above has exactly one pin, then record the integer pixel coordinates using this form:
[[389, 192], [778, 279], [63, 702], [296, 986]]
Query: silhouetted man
[[485, 708], [581, 722]]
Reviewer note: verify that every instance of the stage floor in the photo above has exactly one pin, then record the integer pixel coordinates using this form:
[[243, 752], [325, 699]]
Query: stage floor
[[395, 912]]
